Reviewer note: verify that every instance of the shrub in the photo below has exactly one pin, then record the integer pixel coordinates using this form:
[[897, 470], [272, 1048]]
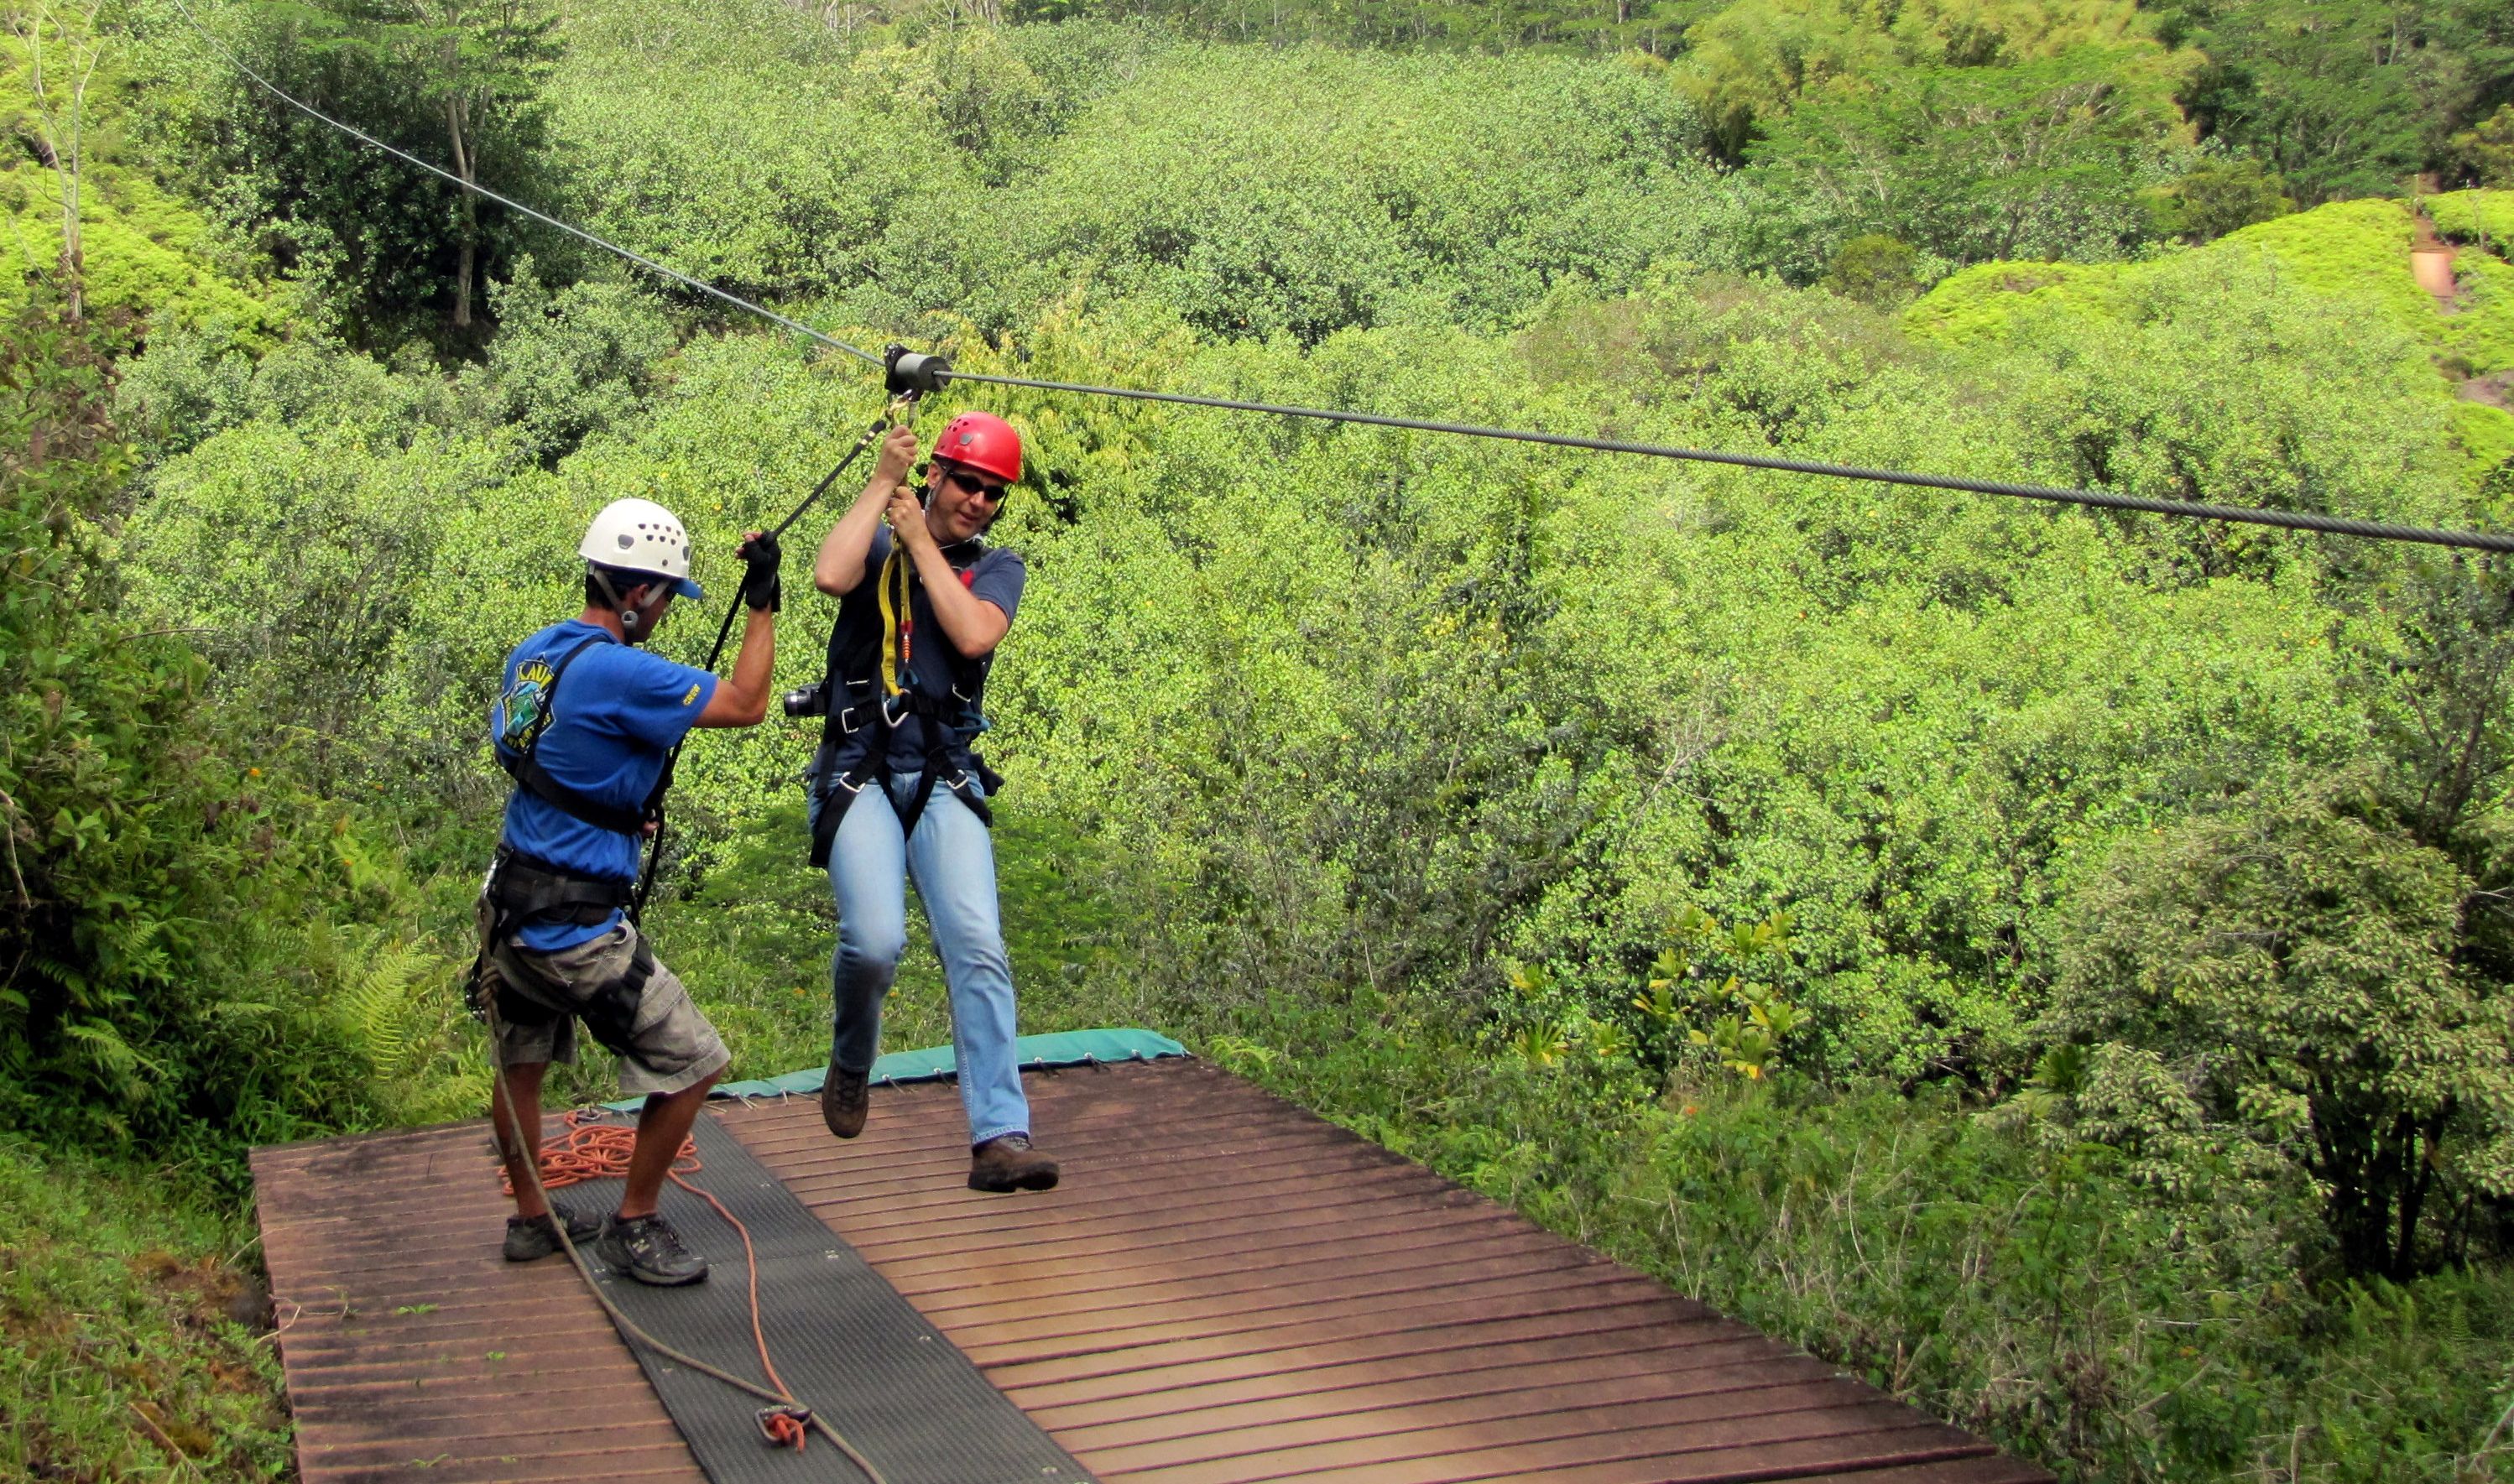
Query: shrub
[[156, 886], [2291, 960]]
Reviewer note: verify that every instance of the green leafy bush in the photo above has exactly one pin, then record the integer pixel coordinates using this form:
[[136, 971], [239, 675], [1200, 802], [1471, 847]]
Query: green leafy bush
[[2291, 964], [157, 884], [2039, 160]]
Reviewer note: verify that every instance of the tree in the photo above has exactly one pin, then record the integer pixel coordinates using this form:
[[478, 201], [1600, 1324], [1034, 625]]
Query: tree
[[1877, 270], [2042, 160], [2484, 152], [61, 47], [2290, 961], [2347, 98], [454, 81], [2219, 196], [479, 65]]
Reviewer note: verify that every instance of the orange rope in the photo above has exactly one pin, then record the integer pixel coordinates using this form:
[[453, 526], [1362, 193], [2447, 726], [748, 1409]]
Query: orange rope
[[594, 1148]]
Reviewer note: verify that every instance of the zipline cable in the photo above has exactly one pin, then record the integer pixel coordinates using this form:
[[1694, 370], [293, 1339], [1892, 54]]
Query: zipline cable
[[513, 205], [2296, 520], [2103, 500]]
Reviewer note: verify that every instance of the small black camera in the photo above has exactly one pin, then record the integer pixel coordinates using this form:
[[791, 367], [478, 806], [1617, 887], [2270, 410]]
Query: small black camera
[[808, 699]]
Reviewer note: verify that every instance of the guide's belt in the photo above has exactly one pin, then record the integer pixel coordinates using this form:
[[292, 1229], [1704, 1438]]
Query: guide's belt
[[527, 891]]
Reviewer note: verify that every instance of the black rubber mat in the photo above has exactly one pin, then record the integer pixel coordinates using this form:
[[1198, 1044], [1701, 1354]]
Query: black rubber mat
[[844, 1339]]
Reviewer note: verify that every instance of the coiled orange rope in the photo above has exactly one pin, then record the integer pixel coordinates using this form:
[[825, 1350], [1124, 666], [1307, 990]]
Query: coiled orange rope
[[594, 1148]]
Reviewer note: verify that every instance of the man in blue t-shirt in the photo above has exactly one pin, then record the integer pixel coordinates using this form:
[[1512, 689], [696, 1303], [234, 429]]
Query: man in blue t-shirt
[[583, 722], [923, 601]]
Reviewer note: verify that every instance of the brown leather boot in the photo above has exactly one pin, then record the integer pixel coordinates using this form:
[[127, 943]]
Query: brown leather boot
[[1009, 1163], [844, 1101]]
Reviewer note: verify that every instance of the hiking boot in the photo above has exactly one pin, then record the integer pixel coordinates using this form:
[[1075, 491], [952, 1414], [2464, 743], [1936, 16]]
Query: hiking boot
[[530, 1241], [844, 1096], [647, 1249], [1009, 1163]]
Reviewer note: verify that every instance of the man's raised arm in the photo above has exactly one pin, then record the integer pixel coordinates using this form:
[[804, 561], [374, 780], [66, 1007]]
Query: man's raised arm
[[741, 699], [840, 565]]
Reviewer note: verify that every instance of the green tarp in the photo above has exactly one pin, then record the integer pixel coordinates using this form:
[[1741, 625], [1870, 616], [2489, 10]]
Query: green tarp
[[1063, 1047]]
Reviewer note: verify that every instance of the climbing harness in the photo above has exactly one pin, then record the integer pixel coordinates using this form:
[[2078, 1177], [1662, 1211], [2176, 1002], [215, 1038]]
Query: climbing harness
[[532, 703], [872, 687], [909, 375]]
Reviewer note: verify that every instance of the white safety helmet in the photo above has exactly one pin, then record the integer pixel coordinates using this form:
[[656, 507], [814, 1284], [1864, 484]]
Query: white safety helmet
[[641, 536]]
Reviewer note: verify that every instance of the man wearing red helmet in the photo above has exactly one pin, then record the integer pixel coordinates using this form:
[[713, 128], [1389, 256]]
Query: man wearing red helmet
[[896, 791]]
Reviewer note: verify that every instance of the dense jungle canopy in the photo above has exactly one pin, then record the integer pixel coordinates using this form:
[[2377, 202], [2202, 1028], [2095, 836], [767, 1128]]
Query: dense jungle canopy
[[2055, 964]]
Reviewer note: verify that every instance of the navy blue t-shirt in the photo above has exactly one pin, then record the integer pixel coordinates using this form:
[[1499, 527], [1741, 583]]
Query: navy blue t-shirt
[[619, 710], [996, 575]]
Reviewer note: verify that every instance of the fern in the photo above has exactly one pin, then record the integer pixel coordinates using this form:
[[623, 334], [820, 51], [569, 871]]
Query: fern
[[377, 1009]]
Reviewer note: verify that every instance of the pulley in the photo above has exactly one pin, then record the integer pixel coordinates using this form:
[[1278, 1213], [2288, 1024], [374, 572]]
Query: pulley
[[905, 371]]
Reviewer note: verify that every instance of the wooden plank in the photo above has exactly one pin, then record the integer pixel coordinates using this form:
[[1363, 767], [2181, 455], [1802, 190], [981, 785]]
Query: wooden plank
[[414, 1350], [1226, 1289], [1223, 1290]]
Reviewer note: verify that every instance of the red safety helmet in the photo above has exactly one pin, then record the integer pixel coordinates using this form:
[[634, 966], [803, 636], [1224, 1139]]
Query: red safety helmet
[[982, 441]]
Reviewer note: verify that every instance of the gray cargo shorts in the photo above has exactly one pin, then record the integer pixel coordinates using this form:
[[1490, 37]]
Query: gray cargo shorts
[[626, 999]]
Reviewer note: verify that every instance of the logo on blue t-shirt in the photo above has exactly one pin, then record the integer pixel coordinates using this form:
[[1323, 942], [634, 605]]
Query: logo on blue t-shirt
[[524, 705]]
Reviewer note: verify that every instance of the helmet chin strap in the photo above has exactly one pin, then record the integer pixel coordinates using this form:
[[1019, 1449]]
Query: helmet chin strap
[[632, 617]]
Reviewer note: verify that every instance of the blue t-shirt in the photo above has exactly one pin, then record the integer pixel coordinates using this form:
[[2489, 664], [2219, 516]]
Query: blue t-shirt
[[619, 710], [993, 574]]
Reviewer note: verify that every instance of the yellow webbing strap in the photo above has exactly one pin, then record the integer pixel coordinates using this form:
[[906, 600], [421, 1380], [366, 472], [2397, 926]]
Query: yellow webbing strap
[[895, 622]]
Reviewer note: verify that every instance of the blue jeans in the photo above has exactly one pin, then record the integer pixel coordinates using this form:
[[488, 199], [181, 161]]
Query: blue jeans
[[952, 861]]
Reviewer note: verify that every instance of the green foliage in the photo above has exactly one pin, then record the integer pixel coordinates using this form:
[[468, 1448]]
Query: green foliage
[[1752, 63], [986, 178], [1745, 1040], [2485, 151], [2220, 194], [1655, 27], [2482, 217], [148, 256], [1971, 163], [1418, 190], [1877, 270], [156, 884], [566, 362], [2291, 963], [2349, 259], [133, 1342], [2345, 97], [383, 253]]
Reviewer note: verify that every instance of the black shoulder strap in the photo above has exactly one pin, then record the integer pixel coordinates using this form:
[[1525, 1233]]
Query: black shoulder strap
[[524, 764]]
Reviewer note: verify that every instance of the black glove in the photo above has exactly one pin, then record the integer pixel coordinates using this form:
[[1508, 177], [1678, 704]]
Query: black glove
[[761, 587]]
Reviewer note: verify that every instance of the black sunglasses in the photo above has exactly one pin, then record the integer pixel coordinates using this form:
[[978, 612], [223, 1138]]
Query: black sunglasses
[[971, 484]]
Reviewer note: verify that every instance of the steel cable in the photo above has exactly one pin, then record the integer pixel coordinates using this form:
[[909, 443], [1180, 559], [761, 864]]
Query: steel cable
[[513, 205], [2296, 520], [2103, 500]]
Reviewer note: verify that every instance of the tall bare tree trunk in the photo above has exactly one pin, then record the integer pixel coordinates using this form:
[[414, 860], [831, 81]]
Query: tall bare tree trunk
[[61, 114], [470, 248]]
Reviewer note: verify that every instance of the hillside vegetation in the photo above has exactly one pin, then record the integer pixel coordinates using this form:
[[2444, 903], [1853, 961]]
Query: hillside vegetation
[[2053, 964]]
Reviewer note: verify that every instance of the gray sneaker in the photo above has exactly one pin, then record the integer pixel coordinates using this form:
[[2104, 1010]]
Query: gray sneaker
[[844, 1100], [530, 1241], [647, 1249]]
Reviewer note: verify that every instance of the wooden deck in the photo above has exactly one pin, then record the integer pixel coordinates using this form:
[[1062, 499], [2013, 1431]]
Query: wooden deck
[[1225, 1290]]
